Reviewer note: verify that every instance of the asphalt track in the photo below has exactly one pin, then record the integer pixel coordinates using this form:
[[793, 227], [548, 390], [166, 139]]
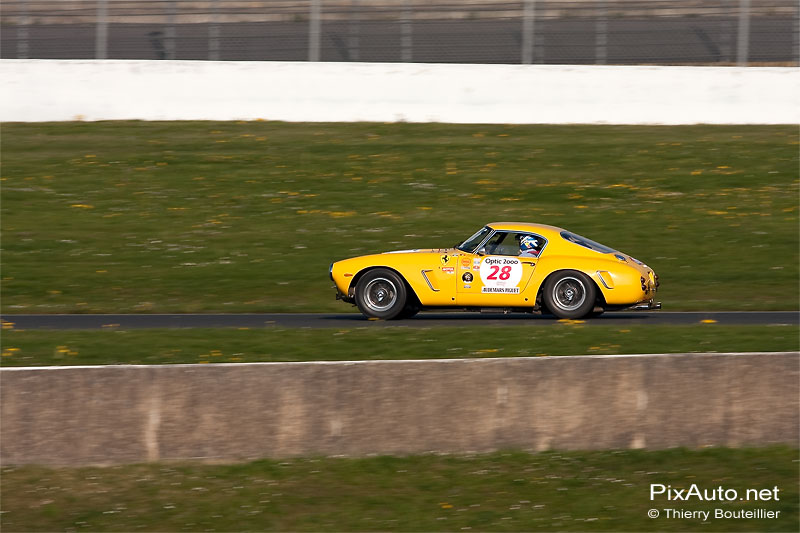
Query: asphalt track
[[422, 320]]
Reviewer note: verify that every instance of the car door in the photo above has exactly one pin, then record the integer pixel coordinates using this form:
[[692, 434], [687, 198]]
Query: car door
[[497, 275]]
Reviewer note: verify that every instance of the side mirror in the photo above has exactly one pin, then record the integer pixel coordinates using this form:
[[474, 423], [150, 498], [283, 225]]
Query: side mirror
[[481, 251]]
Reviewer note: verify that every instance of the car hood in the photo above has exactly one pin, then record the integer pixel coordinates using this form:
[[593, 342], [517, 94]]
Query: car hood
[[424, 251]]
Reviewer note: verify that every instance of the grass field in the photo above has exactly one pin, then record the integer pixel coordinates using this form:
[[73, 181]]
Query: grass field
[[161, 346], [203, 216], [505, 491]]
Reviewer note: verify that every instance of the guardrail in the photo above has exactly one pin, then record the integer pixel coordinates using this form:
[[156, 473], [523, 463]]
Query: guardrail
[[230, 412]]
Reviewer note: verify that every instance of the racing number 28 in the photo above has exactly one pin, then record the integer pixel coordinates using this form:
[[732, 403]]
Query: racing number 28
[[505, 272]]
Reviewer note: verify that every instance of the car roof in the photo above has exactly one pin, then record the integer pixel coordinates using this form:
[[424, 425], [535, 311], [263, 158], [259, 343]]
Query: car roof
[[542, 229]]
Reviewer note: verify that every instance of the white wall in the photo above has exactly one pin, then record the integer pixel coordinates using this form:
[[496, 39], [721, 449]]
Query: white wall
[[239, 411], [57, 90]]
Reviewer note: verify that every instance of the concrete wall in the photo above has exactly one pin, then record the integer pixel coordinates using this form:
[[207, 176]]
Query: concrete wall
[[229, 412], [58, 90]]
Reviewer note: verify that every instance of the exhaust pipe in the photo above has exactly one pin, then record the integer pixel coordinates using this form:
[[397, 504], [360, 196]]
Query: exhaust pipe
[[647, 306]]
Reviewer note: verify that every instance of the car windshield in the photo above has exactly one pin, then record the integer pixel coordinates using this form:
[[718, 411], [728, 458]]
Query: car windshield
[[470, 244], [586, 243]]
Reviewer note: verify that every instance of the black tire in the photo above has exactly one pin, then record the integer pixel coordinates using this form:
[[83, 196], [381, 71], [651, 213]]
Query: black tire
[[381, 293], [569, 294], [409, 311]]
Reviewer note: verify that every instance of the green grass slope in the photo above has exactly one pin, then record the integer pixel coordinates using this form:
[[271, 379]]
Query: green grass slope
[[504, 491], [247, 216], [271, 344]]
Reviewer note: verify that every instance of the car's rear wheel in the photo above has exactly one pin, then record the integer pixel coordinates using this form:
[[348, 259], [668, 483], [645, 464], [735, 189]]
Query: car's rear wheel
[[569, 294], [381, 293]]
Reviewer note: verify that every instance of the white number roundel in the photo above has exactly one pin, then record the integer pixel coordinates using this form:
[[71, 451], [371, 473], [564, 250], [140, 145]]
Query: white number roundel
[[501, 271]]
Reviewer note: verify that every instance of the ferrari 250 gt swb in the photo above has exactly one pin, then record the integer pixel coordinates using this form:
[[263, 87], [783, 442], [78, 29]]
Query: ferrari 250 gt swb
[[510, 266]]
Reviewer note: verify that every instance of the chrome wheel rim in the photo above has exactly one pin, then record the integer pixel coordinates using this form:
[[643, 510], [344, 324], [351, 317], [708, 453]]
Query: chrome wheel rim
[[380, 295], [569, 294]]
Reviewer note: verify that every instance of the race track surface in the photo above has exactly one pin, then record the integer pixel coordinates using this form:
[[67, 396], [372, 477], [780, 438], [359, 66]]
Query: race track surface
[[422, 320]]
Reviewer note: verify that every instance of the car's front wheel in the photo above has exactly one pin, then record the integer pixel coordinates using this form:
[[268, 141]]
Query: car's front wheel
[[569, 294], [410, 310], [381, 293]]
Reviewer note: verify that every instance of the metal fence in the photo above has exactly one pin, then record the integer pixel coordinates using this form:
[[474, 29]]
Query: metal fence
[[682, 32]]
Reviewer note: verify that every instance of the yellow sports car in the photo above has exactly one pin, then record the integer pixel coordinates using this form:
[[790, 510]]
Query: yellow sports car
[[506, 265]]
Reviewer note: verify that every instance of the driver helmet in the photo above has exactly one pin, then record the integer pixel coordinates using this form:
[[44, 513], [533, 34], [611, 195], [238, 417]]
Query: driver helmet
[[528, 243]]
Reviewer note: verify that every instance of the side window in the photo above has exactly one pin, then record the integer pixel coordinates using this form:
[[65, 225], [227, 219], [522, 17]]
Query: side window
[[530, 245], [501, 243], [515, 244]]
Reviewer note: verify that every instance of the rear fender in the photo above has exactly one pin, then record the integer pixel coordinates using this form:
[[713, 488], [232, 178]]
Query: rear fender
[[608, 276], [600, 299]]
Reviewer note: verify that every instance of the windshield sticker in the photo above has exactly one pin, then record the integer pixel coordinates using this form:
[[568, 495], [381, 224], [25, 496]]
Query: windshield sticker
[[501, 275]]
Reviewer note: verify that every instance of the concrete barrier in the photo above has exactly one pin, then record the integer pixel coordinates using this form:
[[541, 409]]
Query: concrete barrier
[[231, 412], [59, 90]]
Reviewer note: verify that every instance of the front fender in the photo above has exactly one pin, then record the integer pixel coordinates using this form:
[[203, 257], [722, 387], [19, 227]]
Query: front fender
[[422, 274]]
